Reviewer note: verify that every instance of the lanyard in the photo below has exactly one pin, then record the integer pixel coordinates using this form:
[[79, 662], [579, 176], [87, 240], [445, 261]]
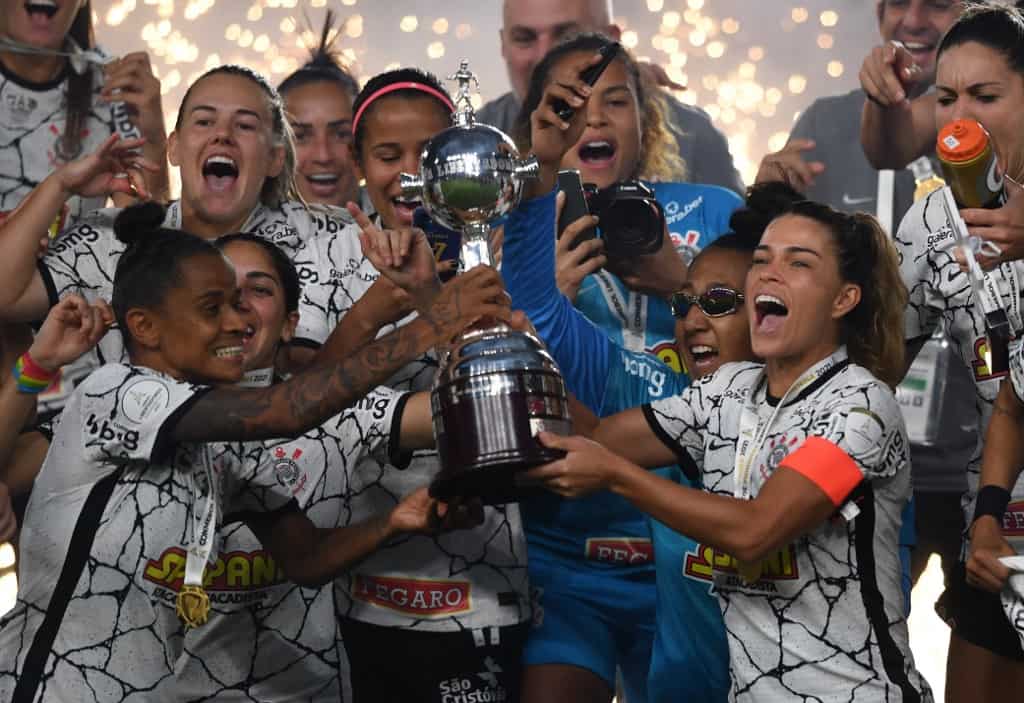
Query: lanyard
[[634, 322], [753, 430], [193, 603], [76, 56]]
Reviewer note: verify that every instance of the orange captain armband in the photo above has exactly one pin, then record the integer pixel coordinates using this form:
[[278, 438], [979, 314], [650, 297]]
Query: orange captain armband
[[829, 467]]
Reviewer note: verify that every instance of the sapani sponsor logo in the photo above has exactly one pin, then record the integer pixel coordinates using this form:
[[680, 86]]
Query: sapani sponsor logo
[[420, 597], [619, 550], [705, 560], [1013, 519], [233, 571]]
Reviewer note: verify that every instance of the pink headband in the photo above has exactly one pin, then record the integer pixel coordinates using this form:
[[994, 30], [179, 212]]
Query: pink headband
[[408, 85]]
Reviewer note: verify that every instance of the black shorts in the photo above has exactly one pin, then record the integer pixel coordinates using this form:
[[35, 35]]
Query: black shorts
[[977, 616], [397, 665]]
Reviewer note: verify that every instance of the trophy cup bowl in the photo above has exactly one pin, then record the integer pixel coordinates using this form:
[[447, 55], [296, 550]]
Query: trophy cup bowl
[[496, 387]]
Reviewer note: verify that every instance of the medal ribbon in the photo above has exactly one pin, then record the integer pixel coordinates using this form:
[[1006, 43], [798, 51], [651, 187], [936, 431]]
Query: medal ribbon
[[76, 56], [193, 603], [633, 326], [754, 431]]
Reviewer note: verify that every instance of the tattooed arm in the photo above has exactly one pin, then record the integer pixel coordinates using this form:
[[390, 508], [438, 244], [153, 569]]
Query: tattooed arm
[[308, 399]]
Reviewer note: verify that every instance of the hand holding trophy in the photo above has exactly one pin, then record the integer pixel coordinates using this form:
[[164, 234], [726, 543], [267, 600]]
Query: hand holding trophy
[[496, 388]]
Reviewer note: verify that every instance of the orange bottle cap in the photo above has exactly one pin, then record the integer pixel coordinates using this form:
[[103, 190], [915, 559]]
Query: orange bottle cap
[[962, 140]]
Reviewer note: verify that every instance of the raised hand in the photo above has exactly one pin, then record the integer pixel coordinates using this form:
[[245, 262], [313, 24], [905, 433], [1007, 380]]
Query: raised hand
[[888, 73], [115, 167], [1003, 226], [587, 467], [404, 256], [550, 136], [573, 265], [130, 80], [71, 328], [466, 299], [788, 166]]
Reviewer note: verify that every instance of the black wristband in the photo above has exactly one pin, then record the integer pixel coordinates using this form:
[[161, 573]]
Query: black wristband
[[992, 500]]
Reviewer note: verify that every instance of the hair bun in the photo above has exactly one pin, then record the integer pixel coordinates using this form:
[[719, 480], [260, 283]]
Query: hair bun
[[138, 221], [764, 202]]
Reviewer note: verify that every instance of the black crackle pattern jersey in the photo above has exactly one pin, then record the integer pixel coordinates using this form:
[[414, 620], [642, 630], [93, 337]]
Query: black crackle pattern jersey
[[824, 621], [32, 119], [465, 579], [941, 294], [268, 639], [95, 618], [83, 258]]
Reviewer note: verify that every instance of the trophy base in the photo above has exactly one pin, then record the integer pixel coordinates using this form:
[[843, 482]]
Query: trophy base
[[492, 481]]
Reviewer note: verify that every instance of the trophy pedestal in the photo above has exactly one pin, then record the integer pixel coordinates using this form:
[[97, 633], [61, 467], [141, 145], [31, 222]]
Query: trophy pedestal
[[501, 389]]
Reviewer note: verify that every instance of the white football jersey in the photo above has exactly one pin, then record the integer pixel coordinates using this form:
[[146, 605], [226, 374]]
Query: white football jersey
[[462, 580], [824, 619], [268, 639], [941, 294], [32, 119], [84, 257], [104, 540]]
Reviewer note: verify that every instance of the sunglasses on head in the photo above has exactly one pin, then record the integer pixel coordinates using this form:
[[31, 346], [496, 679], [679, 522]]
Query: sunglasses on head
[[714, 302]]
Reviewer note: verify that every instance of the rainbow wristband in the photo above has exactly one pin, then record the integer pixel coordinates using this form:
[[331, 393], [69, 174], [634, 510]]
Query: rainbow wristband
[[30, 376]]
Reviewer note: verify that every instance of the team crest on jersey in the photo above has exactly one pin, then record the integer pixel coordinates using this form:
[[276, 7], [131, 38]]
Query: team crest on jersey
[[20, 107], [144, 398], [285, 469], [778, 449], [59, 153]]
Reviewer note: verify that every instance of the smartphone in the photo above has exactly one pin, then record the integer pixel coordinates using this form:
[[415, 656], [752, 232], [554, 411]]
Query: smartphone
[[589, 76], [575, 205], [445, 242]]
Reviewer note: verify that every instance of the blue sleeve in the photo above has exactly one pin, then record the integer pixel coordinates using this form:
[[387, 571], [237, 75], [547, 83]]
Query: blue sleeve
[[583, 352]]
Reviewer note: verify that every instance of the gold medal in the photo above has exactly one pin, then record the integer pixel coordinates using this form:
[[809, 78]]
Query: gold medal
[[193, 605], [750, 571]]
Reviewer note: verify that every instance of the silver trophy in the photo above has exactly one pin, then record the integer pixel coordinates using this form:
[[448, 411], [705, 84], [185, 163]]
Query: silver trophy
[[496, 388]]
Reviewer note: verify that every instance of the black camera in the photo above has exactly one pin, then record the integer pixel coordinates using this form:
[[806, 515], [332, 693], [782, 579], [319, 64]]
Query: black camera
[[632, 222]]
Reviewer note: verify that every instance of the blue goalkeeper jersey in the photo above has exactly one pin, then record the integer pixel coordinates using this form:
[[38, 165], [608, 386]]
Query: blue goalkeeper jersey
[[696, 216], [690, 652]]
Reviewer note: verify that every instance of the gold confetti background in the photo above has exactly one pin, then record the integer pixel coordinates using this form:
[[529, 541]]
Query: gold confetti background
[[752, 65]]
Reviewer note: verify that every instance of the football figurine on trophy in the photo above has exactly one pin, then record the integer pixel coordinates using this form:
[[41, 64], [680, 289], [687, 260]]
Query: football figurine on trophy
[[496, 387]]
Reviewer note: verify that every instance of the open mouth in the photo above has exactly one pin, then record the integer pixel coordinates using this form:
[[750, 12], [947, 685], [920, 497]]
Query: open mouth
[[596, 153], [247, 336], [220, 172], [323, 181], [41, 8], [919, 48], [405, 207], [770, 313], [703, 355]]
